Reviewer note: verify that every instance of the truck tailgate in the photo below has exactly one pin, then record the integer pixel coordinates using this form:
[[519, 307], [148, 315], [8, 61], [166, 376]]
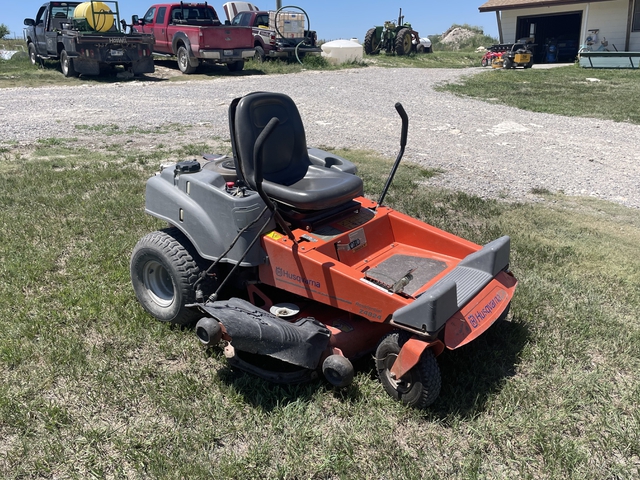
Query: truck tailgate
[[227, 37]]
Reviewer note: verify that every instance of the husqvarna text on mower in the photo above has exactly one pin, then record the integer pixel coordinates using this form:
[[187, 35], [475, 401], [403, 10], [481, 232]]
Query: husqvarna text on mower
[[277, 252]]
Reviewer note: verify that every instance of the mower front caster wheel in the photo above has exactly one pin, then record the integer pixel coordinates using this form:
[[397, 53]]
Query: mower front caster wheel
[[420, 387], [164, 270]]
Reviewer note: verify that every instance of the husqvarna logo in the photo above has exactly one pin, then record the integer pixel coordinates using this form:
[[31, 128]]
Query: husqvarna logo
[[282, 273], [479, 315]]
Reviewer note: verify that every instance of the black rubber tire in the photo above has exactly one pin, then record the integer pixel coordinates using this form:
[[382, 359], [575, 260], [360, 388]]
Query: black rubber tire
[[371, 43], [420, 387], [66, 65], [338, 370], [429, 49], [236, 66], [508, 63], [259, 55], [421, 49], [529, 64], [183, 61], [484, 62], [208, 331], [33, 56], [164, 269], [403, 42]]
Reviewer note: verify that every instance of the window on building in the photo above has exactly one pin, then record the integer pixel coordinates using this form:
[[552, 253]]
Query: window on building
[[636, 16]]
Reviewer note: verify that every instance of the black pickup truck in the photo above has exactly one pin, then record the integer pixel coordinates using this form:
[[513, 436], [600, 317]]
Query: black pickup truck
[[87, 37]]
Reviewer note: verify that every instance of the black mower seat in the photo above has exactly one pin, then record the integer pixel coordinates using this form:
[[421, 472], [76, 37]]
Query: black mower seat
[[289, 176]]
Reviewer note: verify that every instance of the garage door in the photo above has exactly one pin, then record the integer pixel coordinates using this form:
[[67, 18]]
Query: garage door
[[563, 29]]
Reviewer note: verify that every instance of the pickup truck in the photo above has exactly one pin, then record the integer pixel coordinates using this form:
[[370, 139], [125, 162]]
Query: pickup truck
[[86, 37], [193, 33], [277, 33]]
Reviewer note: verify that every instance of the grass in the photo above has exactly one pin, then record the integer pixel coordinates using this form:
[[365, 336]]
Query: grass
[[19, 72], [92, 386], [613, 95]]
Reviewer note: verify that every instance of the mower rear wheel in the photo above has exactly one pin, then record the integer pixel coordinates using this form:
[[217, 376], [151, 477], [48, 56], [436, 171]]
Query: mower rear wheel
[[371, 42], [420, 387], [403, 42], [164, 269]]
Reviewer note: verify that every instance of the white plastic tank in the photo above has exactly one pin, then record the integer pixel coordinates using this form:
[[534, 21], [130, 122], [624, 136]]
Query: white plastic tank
[[342, 51]]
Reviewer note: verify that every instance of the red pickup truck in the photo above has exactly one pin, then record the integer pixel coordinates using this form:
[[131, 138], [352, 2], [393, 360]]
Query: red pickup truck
[[193, 33]]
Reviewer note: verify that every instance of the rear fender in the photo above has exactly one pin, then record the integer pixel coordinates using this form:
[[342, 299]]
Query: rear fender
[[181, 38], [198, 204], [410, 354]]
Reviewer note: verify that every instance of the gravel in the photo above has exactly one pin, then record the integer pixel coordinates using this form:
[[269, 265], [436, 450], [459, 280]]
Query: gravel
[[484, 149]]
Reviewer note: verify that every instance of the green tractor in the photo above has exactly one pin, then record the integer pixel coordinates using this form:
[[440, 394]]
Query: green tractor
[[398, 38]]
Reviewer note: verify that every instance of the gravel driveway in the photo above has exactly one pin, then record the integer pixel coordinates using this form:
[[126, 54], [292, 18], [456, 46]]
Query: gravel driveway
[[487, 150]]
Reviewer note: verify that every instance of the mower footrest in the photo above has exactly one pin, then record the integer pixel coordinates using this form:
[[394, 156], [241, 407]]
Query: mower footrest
[[434, 307]]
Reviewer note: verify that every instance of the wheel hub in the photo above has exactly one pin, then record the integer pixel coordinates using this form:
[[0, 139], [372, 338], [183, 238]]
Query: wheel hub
[[402, 385], [158, 283]]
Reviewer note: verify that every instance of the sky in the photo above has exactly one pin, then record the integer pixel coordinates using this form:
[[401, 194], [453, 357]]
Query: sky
[[331, 19]]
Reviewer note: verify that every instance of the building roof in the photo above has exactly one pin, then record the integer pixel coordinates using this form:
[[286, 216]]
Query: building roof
[[496, 5]]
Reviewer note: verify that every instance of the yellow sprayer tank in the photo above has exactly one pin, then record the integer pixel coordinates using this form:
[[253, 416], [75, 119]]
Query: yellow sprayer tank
[[97, 14]]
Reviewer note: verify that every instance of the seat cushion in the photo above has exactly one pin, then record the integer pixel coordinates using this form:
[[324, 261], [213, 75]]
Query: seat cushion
[[319, 189]]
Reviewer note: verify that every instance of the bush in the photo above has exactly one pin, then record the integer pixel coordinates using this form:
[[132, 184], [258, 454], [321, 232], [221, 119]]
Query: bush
[[4, 30]]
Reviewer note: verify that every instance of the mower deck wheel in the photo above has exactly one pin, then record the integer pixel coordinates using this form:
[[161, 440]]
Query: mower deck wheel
[[420, 387], [164, 269]]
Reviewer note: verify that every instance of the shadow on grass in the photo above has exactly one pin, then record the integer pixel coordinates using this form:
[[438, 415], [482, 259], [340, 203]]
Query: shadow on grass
[[473, 373], [470, 377]]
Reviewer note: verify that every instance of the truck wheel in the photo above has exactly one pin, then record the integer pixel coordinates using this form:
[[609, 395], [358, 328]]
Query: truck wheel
[[164, 269], [420, 387], [403, 42], [236, 66], [371, 42], [259, 55], [66, 65], [183, 61], [32, 54]]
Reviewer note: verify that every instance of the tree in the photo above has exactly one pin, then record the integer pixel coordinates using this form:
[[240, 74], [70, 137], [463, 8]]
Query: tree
[[4, 30]]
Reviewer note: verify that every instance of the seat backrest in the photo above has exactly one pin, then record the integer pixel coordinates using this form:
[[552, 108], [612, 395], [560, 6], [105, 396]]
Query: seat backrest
[[285, 156]]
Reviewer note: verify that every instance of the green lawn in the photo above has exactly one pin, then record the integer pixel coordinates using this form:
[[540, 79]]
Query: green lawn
[[92, 386], [584, 92]]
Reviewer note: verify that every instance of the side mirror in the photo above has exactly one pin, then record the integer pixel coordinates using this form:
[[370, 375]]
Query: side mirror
[[29, 22], [135, 20]]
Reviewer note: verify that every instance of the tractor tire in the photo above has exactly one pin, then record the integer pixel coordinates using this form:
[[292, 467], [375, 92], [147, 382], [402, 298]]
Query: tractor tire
[[371, 42], [529, 64], [420, 387], [183, 61], [66, 65], [164, 270], [33, 56], [508, 63], [236, 66], [259, 55], [403, 42], [421, 49]]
